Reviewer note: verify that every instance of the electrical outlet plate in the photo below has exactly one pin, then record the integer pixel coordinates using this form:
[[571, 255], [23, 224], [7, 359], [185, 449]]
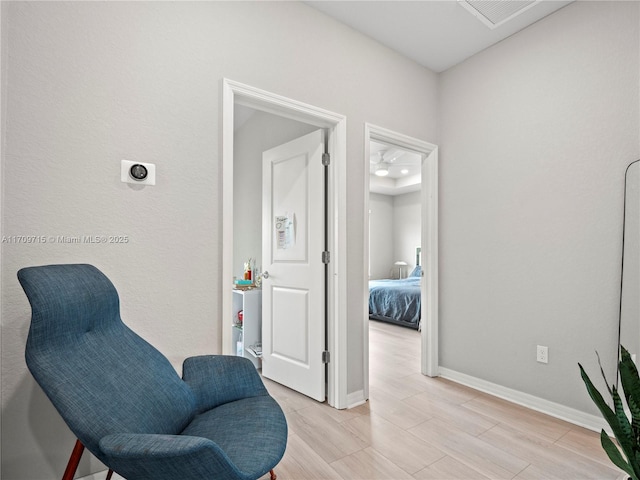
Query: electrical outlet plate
[[542, 354], [125, 166]]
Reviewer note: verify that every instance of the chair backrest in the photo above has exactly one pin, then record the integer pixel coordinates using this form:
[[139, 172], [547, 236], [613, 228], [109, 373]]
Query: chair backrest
[[100, 375]]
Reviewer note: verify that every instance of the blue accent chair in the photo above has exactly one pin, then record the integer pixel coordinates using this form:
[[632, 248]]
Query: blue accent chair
[[125, 402]]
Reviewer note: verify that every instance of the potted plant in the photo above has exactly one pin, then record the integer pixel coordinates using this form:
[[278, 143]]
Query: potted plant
[[627, 432]]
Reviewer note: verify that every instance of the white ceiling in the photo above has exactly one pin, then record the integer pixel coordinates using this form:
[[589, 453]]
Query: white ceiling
[[437, 34]]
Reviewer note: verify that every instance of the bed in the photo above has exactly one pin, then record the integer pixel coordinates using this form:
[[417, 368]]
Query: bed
[[396, 301]]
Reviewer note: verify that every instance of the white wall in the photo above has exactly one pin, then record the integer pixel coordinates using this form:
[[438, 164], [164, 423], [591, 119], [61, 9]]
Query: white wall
[[406, 228], [535, 135], [381, 246], [395, 233], [87, 84]]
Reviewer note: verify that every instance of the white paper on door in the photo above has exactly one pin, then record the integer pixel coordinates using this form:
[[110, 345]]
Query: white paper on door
[[285, 237]]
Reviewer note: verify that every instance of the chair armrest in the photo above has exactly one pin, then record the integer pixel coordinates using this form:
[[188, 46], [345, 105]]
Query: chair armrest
[[166, 457], [220, 379], [141, 445]]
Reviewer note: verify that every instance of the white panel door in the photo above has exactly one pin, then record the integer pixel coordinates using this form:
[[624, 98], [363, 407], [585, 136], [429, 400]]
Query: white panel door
[[293, 285]]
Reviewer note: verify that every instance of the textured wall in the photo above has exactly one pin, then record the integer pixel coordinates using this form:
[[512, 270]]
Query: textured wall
[[86, 84], [394, 233], [536, 133], [407, 228], [381, 235]]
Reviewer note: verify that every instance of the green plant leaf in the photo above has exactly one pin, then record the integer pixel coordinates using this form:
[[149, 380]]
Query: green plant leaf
[[626, 431], [634, 408], [631, 386], [628, 375], [627, 440], [608, 414], [615, 456], [595, 395], [636, 465], [604, 377]]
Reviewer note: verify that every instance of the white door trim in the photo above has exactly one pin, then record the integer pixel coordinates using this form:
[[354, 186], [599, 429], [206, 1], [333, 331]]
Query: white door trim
[[429, 200], [237, 93]]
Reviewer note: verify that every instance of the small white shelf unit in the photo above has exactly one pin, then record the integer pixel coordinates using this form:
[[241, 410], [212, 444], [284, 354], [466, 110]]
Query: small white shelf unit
[[250, 333]]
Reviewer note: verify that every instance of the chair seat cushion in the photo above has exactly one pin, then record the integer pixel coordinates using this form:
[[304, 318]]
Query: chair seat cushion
[[251, 431]]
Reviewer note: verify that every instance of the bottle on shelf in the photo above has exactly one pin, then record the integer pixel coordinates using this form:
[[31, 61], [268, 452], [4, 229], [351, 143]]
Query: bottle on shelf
[[240, 346]]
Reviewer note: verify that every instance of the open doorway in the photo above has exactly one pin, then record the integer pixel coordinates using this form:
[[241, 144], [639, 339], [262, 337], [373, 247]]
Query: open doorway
[[395, 235], [235, 97], [281, 335], [395, 275], [414, 240]]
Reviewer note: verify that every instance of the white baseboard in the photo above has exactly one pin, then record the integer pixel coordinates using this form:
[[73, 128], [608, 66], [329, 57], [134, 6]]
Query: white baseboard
[[355, 399], [571, 415]]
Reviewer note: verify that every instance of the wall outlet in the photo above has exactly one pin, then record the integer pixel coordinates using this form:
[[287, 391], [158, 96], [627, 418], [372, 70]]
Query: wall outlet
[[542, 354]]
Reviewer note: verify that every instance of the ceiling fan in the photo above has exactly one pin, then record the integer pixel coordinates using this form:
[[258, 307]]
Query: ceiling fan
[[383, 159]]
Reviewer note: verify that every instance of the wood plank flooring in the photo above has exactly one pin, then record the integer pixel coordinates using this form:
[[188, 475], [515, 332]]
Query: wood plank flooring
[[415, 427]]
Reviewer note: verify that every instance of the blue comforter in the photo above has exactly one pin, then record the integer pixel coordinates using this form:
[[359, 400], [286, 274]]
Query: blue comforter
[[397, 300]]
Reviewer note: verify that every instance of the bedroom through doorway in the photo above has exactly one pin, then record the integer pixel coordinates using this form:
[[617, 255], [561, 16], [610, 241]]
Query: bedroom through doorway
[[395, 270], [400, 249]]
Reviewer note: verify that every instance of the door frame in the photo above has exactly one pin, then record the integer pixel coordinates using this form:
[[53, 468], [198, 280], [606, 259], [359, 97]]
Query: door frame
[[336, 125], [429, 243]]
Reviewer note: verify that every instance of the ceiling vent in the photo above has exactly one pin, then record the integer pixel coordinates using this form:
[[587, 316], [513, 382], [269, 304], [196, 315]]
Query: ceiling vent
[[495, 13]]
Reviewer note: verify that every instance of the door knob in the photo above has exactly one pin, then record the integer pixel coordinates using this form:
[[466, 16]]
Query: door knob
[[265, 274]]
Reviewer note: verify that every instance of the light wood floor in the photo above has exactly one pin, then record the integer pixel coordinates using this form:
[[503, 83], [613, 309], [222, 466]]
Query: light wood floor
[[415, 427]]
